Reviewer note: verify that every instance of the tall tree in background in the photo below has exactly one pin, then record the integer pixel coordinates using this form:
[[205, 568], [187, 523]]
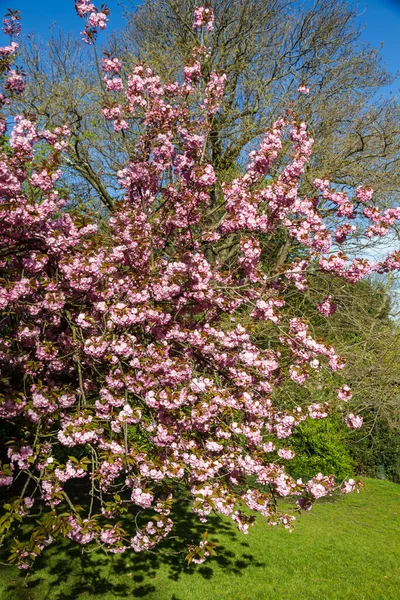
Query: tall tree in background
[[267, 49]]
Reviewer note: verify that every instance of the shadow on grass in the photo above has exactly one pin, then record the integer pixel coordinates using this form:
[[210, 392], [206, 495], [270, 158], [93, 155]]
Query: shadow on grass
[[64, 572]]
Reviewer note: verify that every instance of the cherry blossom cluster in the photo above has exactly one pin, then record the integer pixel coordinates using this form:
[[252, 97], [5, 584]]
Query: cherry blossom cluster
[[127, 363], [13, 79], [303, 89], [203, 17], [327, 307], [11, 23], [94, 17]]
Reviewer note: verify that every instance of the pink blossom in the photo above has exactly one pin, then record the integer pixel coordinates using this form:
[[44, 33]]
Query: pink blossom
[[354, 421], [327, 307], [98, 19], [303, 89], [111, 65], [83, 7], [344, 393], [5, 480], [349, 486], [15, 81], [203, 17], [318, 411], [286, 454], [11, 26], [7, 51], [193, 72], [364, 194], [94, 19]]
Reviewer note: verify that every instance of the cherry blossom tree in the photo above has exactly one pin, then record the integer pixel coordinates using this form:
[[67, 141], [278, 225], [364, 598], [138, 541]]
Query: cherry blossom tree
[[126, 363]]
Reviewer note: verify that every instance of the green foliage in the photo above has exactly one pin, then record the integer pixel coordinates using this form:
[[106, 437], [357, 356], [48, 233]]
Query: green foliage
[[320, 447], [378, 453], [363, 331]]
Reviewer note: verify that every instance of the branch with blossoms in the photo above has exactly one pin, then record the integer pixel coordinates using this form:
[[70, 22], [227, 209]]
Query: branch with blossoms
[[203, 19], [13, 79], [95, 19], [125, 360]]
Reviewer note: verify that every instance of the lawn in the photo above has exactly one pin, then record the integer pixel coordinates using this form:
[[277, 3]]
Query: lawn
[[348, 550]]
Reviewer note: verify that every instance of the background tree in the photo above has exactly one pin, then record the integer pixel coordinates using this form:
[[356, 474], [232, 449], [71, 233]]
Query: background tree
[[365, 329], [267, 49]]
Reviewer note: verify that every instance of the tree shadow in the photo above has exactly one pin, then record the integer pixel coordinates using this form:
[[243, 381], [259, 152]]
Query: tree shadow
[[65, 571]]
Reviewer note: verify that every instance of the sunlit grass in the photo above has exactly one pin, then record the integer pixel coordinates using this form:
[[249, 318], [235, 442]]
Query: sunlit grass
[[348, 550]]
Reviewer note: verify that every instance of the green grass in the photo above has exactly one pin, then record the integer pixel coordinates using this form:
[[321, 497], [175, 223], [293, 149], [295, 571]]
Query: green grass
[[348, 550]]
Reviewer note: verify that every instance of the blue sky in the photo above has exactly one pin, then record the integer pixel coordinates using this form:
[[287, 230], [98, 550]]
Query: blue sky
[[382, 25], [39, 15], [381, 20]]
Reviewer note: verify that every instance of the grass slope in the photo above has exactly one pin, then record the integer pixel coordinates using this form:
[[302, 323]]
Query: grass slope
[[348, 550]]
